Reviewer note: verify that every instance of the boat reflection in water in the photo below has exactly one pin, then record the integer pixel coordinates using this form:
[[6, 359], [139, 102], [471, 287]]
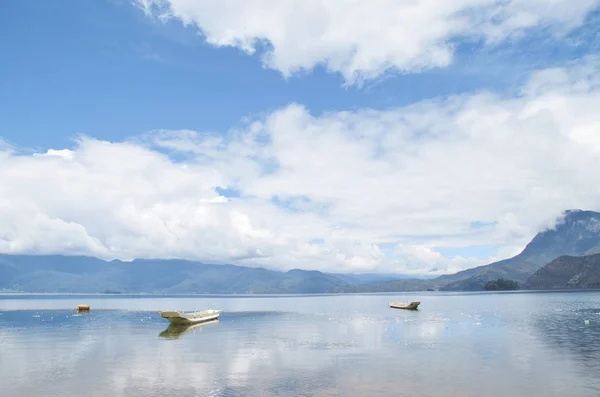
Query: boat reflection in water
[[175, 331]]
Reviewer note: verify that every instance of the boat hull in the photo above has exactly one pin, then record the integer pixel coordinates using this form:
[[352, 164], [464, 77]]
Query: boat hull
[[405, 306], [177, 318]]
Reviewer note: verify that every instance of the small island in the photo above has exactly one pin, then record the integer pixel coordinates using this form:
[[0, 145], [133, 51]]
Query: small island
[[501, 284]]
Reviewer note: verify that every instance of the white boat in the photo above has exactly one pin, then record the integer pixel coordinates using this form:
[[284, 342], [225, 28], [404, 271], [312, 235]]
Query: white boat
[[406, 306], [178, 318]]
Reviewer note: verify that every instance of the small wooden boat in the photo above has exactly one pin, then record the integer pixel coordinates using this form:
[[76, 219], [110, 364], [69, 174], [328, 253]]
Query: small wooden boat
[[83, 308], [177, 318], [406, 306]]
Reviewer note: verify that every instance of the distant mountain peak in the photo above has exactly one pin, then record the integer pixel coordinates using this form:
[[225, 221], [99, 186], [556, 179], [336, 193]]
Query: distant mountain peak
[[578, 221], [574, 211], [576, 233], [572, 227], [577, 216]]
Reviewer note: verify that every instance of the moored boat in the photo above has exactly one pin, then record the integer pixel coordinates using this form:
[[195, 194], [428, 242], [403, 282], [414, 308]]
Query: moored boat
[[178, 318], [406, 306]]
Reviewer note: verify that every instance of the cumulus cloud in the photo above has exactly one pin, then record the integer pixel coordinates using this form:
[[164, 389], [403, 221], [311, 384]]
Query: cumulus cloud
[[362, 39], [332, 192], [416, 258]]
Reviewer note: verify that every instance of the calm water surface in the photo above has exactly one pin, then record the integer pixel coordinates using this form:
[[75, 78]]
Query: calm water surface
[[515, 344]]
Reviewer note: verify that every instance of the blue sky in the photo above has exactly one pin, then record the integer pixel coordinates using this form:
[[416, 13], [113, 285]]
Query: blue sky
[[104, 69], [113, 71]]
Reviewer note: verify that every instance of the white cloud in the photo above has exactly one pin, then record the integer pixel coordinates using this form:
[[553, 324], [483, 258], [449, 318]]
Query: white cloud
[[325, 192], [412, 259], [64, 153], [361, 39]]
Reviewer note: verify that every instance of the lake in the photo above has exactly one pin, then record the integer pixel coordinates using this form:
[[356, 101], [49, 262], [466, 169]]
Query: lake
[[457, 344]]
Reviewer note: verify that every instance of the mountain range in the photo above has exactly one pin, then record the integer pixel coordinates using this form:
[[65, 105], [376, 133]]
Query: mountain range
[[563, 256], [578, 234], [57, 273], [568, 272]]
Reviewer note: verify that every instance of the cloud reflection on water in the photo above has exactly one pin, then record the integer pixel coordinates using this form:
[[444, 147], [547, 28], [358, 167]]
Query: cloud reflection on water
[[326, 346]]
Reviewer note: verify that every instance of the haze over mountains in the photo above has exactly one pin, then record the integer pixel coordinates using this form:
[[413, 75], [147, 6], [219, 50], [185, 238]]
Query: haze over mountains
[[537, 266]]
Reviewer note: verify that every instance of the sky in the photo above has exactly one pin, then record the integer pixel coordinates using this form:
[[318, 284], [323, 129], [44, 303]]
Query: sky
[[392, 136]]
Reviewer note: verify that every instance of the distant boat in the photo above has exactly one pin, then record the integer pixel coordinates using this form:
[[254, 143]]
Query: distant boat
[[83, 308], [177, 318], [407, 306]]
